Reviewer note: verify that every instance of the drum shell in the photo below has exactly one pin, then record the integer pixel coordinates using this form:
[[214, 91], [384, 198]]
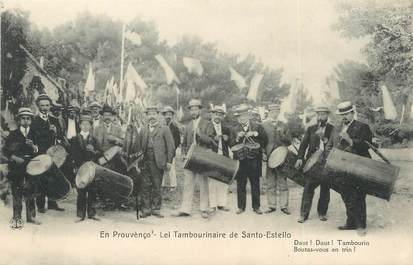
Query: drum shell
[[108, 182], [58, 154], [239, 152], [211, 164], [288, 168], [314, 165], [54, 184], [374, 177]]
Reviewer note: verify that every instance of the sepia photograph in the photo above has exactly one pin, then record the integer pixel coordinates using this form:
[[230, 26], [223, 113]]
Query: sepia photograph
[[206, 132]]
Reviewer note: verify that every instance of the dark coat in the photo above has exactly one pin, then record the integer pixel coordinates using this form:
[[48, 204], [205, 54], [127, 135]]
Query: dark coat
[[77, 126], [46, 137], [16, 145], [163, 144], [101, 134], [175, 134], [188, 135], [278, 135], [80, 154], [359, 132], [208, 138], [311, 141]]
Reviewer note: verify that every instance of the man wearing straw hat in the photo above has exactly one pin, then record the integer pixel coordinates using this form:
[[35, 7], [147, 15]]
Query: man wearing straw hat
[[316, 137], [278, 135], [20, 147], [49, 133], [192, 137], [253, 138], [95, 109], [158, 151], [354, 137]]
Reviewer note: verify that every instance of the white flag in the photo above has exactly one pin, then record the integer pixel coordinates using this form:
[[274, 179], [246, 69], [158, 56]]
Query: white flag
[[135, 86], [133, 37], [390, 112], [193, 66], [170, 74], [332, 84], [90, 81], [237, 78], [255, 84]]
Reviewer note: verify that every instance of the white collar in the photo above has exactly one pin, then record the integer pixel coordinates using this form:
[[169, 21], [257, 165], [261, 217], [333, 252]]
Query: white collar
[[23, 130], [43, 116], [84, 134]]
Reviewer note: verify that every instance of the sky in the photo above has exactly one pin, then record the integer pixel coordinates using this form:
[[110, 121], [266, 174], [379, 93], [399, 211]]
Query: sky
[[293, 34]]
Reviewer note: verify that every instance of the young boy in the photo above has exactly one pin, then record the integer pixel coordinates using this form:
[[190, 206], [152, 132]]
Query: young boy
[[85, 148]]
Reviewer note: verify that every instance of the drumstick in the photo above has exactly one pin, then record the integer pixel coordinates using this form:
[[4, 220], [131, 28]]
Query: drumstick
[[377, 152]]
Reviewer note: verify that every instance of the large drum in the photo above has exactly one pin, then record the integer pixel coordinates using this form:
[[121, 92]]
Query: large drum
[[374, 177], [283, 159], [314, 165], [50, 179], [109, 183], [58, 154], [211, 164]]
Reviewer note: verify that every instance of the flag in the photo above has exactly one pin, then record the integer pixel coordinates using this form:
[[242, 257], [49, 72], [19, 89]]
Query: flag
[[411, 112], [133, 37], [237, 78], [90, 81], [390, 112], [135, 86], [193, 66], [170, 74], [334, 91], [255, 84]]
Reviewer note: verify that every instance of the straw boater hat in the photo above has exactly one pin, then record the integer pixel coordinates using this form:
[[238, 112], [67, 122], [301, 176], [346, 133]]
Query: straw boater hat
[[345, 107], [322, 109], [86, 118], [194, 103], [218, 109], [168, 109], [43, 97], [56, 106], [74, 107], [274, 106], [95, 104], [107, 108], [151, 108], [25, 112], [241, 109]]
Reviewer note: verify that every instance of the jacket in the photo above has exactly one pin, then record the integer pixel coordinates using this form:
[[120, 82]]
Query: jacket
[[311, 141], [278, 135], [360, 133], [101, 134], [46, 138], [78, 151]]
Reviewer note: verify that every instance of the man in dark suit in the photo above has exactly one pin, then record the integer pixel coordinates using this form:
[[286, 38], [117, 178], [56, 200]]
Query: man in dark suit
[[20, 147], [72, 122], [217, 139], [278, 135], [353, 137], [49, 133], [316, 137], [84, 147], [247, 131], [158, 150]]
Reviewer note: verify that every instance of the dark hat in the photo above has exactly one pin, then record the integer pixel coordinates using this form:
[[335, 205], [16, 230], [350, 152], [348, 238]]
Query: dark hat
[[43, 97], [218, 109], [56, 107], [151, 108], [345, 107], [168, 109], [107, 108], [322, 109], [86, 118], [194, 103], [25, 111]]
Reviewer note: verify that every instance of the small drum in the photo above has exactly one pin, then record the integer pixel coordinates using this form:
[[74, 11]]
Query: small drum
[[239, 152], [374, 177], [211, 164], [109, 182], [253, 150], [51, 180], [112, 152], [58, 154]]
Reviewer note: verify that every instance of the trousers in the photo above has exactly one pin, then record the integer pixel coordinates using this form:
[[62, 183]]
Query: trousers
[[310, 185], [277, 184], [218, 193], [190, 180]]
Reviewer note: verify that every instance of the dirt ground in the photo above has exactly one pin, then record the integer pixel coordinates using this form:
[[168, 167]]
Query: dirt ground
[[59, 240]]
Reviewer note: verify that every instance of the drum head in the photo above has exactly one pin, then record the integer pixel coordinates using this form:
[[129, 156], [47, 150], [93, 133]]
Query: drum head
[[85, 174], [189, 155], [312, 160], [39, 164], [237, 147], [111, 152], [58, 154], [277, 157]]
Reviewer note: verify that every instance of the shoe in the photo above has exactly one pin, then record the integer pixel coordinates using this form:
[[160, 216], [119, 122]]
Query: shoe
[[123, 207], [16, 223], [285, 211], [204, 214], [41, 210], [80, 220], [271, 210], [57, 208], [157, 214], [240, 211], [143, 215], [322, 218], [257, 211], [346, 227], [181, 214], [301, 220], [34, 221], [223, 208], [93, 218]]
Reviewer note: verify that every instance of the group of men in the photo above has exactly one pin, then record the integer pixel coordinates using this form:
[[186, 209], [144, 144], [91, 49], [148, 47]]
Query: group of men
[[89, 134]]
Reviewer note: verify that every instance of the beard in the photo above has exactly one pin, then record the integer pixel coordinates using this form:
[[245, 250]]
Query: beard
[[194, 116], [168, 120], [322, 122]]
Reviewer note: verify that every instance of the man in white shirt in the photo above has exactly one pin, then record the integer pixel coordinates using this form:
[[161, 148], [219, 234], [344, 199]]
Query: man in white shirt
[[72, 123], [95, 109]]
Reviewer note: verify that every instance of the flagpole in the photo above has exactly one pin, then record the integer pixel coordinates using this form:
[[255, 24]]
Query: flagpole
[[122, 54]]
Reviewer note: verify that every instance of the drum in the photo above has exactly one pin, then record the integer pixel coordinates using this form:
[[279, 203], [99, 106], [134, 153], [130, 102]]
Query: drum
[[58, 154], [239, 152], [211, 164], [50, 179], [374, 177], [252, 150], [112, 152], [109, 182], [283, 159], [314, 166]]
